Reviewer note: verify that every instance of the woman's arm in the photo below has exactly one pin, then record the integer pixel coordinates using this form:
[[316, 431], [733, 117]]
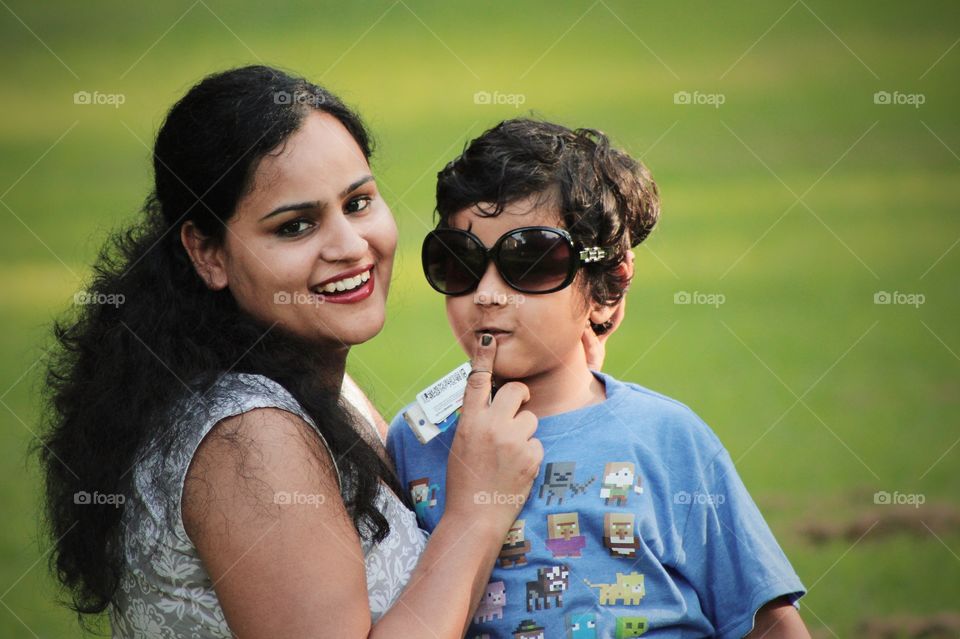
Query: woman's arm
[[262, 505], [447, 584], [778, 619], [295, 568], [493, 451], [279, 569]]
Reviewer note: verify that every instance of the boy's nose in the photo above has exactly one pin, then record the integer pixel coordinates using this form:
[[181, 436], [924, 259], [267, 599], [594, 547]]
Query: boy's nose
[[491, 290]]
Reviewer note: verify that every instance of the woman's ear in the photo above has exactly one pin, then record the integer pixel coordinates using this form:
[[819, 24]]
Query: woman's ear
[[206, 255]]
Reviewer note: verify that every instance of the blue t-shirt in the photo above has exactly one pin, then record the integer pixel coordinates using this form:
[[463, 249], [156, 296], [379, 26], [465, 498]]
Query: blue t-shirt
[[638, 524]]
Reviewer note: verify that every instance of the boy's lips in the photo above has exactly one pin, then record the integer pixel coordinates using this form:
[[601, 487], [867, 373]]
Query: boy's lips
[[498, 333]]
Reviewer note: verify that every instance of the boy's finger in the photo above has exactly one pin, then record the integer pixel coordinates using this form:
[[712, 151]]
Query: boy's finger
[[480, 380]]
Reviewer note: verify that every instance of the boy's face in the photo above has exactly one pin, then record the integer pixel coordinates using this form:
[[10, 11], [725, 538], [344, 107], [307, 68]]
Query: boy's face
[[536, 334]]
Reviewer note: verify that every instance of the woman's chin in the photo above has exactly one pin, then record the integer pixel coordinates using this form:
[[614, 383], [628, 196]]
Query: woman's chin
[[352, 335]]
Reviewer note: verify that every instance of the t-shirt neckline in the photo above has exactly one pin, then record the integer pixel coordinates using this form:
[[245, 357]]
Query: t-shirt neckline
[[569, 422]]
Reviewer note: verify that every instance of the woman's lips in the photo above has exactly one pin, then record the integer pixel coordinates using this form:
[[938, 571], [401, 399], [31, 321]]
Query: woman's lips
[[346, 274], [352, 296]]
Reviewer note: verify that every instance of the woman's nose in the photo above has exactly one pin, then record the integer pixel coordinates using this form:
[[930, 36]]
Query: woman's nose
[[343, 242]]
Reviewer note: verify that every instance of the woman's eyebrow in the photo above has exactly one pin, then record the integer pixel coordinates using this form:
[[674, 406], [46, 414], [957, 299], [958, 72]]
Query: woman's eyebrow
[[356, 184], [300, 206]]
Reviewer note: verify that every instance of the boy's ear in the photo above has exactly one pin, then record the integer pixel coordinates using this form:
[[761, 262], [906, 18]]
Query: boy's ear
[[604, 319], [599, 313], [206, 255]]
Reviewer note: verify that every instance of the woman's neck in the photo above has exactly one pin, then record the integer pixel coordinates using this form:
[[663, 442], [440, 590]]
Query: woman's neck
[[326, 363], [336, 366]]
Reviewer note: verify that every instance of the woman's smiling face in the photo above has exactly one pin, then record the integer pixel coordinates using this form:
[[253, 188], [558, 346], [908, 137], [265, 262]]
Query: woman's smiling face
[[311, 245]]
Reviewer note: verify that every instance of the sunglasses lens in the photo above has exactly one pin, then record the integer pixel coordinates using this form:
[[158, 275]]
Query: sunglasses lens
[[535, 260], [452, 261]]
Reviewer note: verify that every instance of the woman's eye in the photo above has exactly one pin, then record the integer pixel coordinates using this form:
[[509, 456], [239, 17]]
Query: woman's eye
[[358, 204], [294, 228]]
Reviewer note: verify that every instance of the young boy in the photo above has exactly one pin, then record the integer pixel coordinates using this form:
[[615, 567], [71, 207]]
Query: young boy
[[638, 523]]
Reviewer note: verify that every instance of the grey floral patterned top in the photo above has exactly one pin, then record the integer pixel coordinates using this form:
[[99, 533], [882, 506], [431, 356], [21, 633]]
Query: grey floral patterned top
[[165, 591]]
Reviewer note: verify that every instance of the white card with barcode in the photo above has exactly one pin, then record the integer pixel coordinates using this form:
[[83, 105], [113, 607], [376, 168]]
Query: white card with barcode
[[444, 396]]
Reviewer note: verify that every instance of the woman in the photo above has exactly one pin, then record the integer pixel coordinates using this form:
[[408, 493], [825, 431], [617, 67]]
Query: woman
[[202, 477]]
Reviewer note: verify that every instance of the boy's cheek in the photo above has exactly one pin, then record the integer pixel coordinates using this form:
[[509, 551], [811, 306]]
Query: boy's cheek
[[466, 344], [513, 363], [459, 324]]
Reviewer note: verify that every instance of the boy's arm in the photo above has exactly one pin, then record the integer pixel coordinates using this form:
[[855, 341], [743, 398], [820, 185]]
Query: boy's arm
[[778, 619], [732, 558]]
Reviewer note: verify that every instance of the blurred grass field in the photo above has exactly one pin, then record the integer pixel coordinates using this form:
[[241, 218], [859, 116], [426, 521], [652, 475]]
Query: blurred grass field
[[797, 200]]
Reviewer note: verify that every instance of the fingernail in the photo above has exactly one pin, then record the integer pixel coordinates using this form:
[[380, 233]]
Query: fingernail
[[485, 339]]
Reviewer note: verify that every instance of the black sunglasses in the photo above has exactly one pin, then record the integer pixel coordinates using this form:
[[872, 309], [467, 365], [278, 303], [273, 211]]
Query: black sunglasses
[[531, 259]]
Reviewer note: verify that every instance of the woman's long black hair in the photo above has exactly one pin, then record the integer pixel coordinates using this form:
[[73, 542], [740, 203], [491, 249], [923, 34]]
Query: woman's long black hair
[[156, 333]]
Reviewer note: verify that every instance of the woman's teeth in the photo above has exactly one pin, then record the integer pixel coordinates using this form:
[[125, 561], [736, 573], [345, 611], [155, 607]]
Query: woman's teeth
[[345, 284]]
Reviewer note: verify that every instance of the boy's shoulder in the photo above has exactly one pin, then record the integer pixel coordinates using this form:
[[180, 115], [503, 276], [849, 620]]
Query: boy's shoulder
[[657, 413], [638, 408]]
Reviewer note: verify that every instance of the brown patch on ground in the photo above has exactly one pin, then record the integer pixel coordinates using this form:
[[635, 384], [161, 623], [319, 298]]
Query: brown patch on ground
[[776, 502], [886, 521], [944, 625]]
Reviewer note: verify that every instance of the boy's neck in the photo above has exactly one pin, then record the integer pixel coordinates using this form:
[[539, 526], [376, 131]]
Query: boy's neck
[[563, 389]]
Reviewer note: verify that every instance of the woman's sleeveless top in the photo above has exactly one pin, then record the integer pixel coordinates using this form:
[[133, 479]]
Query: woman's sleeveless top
[[165, 592]]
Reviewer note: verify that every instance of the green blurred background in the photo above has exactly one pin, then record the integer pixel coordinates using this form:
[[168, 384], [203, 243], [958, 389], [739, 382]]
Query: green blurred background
[[795, 203]]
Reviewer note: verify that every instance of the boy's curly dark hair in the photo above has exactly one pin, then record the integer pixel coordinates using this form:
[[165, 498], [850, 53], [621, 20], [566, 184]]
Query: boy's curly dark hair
[[605, 197]]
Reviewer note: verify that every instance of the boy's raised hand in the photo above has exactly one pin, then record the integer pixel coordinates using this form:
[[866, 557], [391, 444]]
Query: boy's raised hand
[[494, 457]]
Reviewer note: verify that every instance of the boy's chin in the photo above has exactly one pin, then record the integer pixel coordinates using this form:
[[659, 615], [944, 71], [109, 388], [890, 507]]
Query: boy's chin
[[504, 371], [507, 365]]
